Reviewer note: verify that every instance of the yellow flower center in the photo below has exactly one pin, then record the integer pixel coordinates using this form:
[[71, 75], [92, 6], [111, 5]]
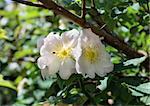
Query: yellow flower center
[[91, 54], [63, 53]]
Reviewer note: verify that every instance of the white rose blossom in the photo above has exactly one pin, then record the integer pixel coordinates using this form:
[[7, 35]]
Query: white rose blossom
[[91, 57], [56, 54], [74, 52]]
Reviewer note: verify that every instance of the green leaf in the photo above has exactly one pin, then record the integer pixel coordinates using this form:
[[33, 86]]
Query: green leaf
[[29, 100], [90, 88], [38, 94], [23, 53], [135, 61], [3, 34], [135, 93], [143, 88], [125, 93], [6, 83], [121, 67], [132, 80], [53, 90], [103, 84], [8, 13], [146, 100]]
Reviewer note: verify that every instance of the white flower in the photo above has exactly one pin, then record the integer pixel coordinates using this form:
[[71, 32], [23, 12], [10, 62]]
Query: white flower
[[91, 57], [56, 54]]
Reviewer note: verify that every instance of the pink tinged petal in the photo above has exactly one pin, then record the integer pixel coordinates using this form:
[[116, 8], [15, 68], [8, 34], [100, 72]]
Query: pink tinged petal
[[42, 62], [108, 69], [81, 66], [100, 70], [69, 38], [52, 43], [89, 36], [77, 51], [44, 72], [49, 65], [104, 65], [44, 50], [67, 68], [52, 36], [91, 71], [77, 54], [85, 68]]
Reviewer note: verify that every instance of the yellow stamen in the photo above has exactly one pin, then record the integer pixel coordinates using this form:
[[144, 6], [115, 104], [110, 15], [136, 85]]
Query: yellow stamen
[[91, 54], [63, 53]]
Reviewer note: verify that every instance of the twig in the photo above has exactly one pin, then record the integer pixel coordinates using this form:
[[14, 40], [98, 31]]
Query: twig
[[83, 9], [29, 3], [97, 17], [92, 3], [62, 11], [148, 6]]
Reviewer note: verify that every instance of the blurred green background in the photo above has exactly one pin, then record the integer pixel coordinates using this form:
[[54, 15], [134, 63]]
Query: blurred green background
[[20, 28]]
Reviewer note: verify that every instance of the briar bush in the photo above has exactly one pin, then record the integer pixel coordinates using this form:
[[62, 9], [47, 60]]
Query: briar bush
[[22, 26]]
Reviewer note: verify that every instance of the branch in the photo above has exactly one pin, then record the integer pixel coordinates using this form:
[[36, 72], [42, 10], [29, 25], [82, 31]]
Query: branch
[[29, 3], [62, 11], [108, 37], [148, 6], [93, 3], [83, 9]]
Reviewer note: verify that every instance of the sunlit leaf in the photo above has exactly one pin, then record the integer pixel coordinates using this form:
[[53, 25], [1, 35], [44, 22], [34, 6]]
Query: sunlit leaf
[[146, 100], [23, 53], [135, 61], [142, 88], [6, 83], [3, 34], [135, 93], [103, 84]]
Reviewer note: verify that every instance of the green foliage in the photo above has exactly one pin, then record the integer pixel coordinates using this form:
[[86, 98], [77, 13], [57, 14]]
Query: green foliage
[[21, 83], [5, 83], [3, 34]]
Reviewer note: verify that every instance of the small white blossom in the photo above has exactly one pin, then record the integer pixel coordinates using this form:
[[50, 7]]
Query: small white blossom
[[91, 57], [56, 54]]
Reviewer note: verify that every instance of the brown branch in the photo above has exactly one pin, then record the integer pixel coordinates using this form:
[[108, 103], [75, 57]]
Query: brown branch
[[108, 37], [62, 11], [29, 3], [83, 9], [97, 17]]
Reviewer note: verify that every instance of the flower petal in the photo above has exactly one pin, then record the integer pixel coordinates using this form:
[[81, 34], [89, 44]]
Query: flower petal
[[85, 68], [88, 36], [67, 68], [52, 43], [49, 65], [69, 38], [102, 65]]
